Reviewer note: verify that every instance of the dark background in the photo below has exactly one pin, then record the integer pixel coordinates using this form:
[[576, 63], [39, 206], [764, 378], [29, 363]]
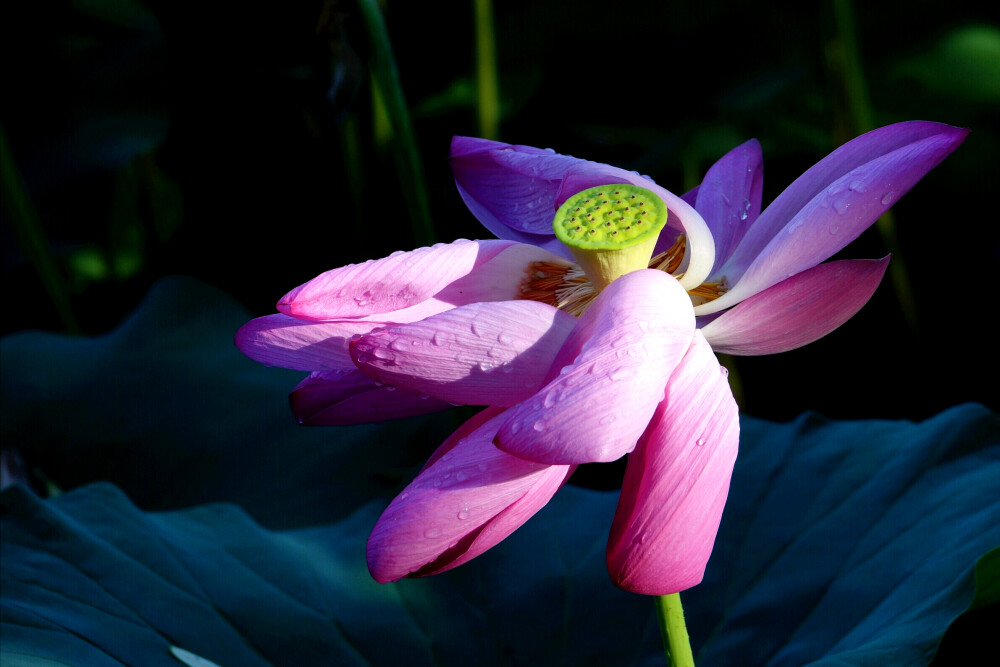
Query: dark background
[[233, 143]]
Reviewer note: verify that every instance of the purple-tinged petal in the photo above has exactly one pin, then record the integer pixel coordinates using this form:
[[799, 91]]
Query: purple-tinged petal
[[467, 500], [509, 187], [830, 173], [397, 282], [339, 398], [729, 197], [609, 375], [798, 310], [280, 340], [700, 253], [836, 216], [676, 482], [479, 354]]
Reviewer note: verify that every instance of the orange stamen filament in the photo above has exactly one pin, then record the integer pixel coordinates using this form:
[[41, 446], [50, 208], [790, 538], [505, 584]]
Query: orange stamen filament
[[567, 287]]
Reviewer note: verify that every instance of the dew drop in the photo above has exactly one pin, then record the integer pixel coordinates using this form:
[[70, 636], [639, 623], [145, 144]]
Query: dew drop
[[834, 230], [431, 533], [858, 186], [482, 467], [485, 366], [620, 374], [539, 426], [887, 198], [415, 343], [390, 388], [724, 371], [464, 514], [423, 397], [461, 476], [507, 367], [700, 442], [550, 399], [608, 420], [515, 426], [397, 345], [841, 205], [506, 339]]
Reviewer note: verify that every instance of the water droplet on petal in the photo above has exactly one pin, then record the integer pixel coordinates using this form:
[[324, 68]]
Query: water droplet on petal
[[461, 476], [858, 186], [464, 514], [700, 442], [507, 367], [842, 204], [397, 345], [550, 399], [381, 353], [834, 230], [431, 533], [887, 198], [506, 339], [539, 426], [608, 420], [515, 426]]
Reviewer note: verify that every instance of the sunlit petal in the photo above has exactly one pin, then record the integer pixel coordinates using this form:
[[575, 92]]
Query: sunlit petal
[[676, 482]]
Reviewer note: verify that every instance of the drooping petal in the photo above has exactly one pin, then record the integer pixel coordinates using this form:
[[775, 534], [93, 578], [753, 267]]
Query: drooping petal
[[700, 254], [280, 340], [729, 197], [467, 500], [609, 375], [509, 188], [676, 482], [929, 143], [339, 398], [835, 216], [798, 310], [479, 354], [394, 283]]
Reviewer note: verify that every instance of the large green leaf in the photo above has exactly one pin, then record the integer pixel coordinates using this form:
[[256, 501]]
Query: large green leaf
[[842, 543], [167, 408]]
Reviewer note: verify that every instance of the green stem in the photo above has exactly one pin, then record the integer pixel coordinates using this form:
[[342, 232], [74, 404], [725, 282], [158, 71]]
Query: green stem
[[30, 235], [676, 643], [845, 60], [404, 144], [487, 89]]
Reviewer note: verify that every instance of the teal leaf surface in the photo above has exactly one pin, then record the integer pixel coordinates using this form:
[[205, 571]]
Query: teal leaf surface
[[165, 407], [843, 543]]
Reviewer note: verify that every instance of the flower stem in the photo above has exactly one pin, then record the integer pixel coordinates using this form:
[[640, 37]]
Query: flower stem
[[674, 632]]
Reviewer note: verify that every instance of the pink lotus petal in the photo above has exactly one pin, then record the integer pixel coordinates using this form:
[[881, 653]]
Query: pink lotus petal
[[397, 282], [470, 498], [676, 482], [797, 310], [836, 216], [830, 173], [613, 370], [337, 398], [479, 354], [280, 340], [509, 187], [729, 197]]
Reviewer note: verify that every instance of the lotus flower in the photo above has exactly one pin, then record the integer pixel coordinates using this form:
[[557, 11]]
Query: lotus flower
[[487, 323]]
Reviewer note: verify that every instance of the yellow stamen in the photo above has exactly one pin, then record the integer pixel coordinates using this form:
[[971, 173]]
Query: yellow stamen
[[567, 287]]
